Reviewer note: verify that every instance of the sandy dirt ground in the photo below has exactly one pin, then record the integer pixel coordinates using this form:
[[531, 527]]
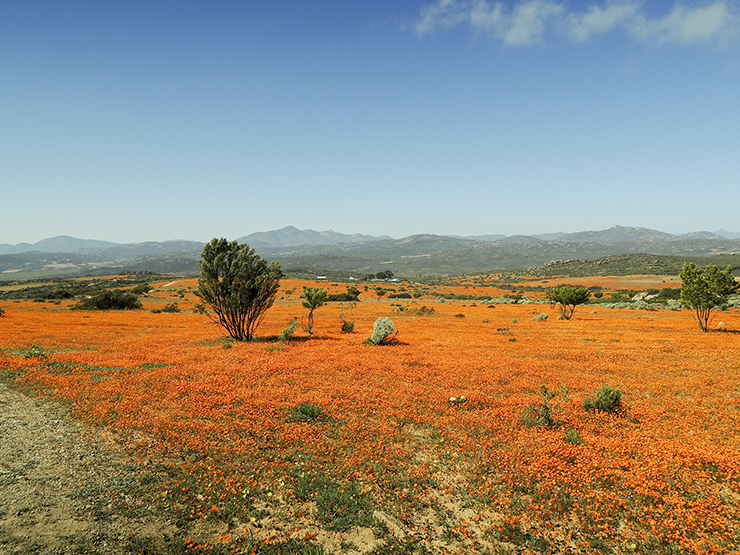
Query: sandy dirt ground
[[59, 486]]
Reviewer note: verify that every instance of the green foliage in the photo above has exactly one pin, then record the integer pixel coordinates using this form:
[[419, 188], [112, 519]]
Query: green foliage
[[338, 507], [170, 308], [287, 333], [142, 289], [383, 332], [573, 437], [348, 327], [543, 413], [2, 312], [352, 295], [567, 297], [705, 289], [237, 285], [400, 296], [306, 412], [540, 317], [114, 299], [33, 351], [668, 294], [606, 399], [379, 291], [313, 298]]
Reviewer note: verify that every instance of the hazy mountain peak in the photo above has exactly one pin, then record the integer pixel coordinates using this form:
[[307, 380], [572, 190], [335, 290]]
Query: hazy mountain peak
[[728, 234], [291, 236], [58, 244]]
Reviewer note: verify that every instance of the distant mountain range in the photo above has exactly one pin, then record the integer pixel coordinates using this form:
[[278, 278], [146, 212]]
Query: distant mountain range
[[293, 237], [327, 251]]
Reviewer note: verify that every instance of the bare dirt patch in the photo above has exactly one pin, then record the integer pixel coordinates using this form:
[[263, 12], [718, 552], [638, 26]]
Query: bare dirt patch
[[59, 485]]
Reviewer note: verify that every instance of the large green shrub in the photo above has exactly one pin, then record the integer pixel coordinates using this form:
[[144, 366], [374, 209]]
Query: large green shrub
[[237, 285], [114, 299]]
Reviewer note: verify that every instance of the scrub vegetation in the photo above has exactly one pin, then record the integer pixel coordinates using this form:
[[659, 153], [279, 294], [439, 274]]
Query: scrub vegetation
[[614, 432]]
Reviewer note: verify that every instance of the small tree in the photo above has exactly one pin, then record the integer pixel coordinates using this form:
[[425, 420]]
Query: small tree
[[568, 297], [313, 298], [705, 289], [353, 291], [237, 285]]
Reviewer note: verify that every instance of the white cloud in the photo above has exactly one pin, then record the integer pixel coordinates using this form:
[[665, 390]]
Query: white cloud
[[686, 25], [582, 26], [528, 21]]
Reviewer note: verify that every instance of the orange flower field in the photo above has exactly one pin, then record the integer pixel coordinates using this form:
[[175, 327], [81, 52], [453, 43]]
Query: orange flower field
[[422, 441]]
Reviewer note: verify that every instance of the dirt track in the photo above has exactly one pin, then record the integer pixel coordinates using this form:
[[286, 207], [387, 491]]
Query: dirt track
[[57, 486]]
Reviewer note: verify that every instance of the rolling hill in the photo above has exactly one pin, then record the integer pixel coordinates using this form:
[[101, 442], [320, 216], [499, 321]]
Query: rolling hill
[[308, 252]]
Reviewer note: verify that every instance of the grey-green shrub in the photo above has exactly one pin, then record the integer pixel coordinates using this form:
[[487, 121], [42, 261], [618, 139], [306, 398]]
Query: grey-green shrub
[[607, 399], [287, 333], [540, 317], [383, 332]]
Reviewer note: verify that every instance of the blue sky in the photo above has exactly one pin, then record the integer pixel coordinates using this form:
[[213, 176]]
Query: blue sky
[[133, 121]]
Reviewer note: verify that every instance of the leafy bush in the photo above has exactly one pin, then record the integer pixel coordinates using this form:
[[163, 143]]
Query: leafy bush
[[2, 312], [348, 327], [115, 299], [287, 333], [606, 399], [352, 295], [383, 332], [237, 285], [142, 289], [306, 412], [400, 296], [540, 317], [171, 308]]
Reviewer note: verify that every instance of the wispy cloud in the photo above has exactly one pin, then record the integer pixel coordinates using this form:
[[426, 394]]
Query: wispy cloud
[[528, 21]]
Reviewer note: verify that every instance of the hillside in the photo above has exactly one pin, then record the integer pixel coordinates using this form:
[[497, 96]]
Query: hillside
[[416, 257]]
